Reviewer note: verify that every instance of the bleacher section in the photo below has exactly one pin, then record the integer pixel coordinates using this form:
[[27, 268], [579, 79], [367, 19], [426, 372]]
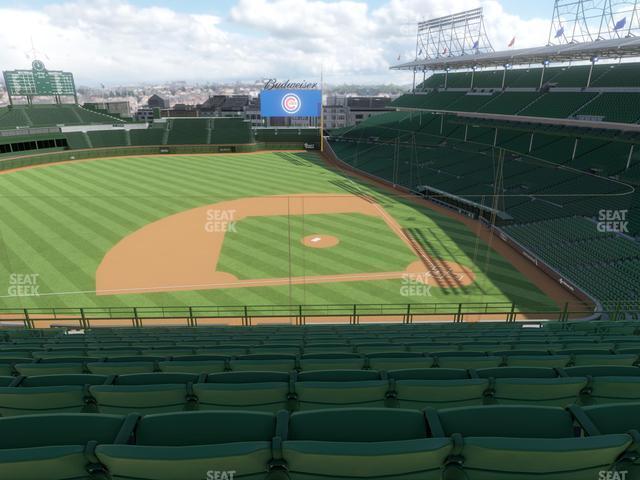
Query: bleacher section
[[413, 401], [51, 115]]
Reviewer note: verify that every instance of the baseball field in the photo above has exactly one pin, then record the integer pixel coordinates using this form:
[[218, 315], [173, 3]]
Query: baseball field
[[258, 229]]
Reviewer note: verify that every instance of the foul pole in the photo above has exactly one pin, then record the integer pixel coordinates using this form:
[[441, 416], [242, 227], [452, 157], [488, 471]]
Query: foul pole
[[321, 109]]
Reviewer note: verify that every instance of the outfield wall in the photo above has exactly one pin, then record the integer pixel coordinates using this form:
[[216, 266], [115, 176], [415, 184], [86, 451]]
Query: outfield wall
[[21, 161]]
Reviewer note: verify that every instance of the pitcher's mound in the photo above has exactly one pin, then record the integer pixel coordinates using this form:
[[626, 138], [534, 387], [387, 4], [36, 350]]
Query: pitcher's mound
[[320, 241]]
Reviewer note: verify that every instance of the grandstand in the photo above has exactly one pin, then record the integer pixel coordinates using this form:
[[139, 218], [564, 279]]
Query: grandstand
[[115, 401]]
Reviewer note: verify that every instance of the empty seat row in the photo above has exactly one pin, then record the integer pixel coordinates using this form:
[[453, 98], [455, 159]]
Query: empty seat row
[[288, 362], [498, 442], [272, 391]]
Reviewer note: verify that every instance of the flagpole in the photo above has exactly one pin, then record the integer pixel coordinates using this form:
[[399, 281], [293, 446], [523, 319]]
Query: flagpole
[[321, 109]]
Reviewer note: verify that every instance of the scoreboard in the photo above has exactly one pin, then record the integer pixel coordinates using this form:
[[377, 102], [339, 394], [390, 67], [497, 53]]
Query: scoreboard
[[39, 82]]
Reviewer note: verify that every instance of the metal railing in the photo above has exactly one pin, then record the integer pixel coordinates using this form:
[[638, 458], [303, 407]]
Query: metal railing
[[88, 317]]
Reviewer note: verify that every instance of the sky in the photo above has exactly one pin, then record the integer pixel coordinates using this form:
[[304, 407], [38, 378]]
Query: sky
[[121, 42]]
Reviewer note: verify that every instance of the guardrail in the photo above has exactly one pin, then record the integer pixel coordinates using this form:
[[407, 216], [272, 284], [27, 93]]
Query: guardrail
[[301, 314]]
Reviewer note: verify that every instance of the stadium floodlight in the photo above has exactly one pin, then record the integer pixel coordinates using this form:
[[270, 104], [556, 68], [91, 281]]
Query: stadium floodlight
[[452, 36], [594, 59], [546, 63], [579, 21]]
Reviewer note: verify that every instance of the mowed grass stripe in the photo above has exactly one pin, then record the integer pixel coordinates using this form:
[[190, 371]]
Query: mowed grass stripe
[[152, 186]]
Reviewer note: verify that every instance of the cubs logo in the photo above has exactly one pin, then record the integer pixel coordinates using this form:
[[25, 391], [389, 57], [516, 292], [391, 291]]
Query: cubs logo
[[291, 103]]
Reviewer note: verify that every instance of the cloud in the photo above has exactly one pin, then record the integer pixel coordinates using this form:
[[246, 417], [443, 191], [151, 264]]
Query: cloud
[[117, 42]]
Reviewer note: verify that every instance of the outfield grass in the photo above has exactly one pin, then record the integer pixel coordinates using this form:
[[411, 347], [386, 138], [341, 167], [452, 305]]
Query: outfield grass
[[59, 221]]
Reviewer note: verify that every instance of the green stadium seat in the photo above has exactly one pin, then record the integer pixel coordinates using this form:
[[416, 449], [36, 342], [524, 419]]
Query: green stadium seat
[[146, 393], [245, 390], [469, 362], [602, 371], [429, 374], [614, 419], [420, 393], [55, 446], [187, 445], [331, 361], [545, 361], [260, 362], [517, 372], [619, 359], [120, 368], [362, 444], [49, 394], [5, 381], [522, 442], [397, 361], [340, 389], [560, 391], [33, 368]]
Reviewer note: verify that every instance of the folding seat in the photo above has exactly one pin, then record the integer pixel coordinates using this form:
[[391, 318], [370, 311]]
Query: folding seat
[[7, 364], [396, 361], [113, 352], [388, 444], [469, 362], [429, 374], [539, 387], [6, 381], [549, 361], [380, 347], [227, 350], [332, 361], [55, 446], [189, 445], [195, 364], [49, 368], [275, 349], [340, 389], [49, 394], [517, 372], [259, 391], [146, 393], [509, 442], [419, 391], [602, 371], [121, 367], [268, 363], [620, 359], [611, 389], [167, 351], [322, 348]]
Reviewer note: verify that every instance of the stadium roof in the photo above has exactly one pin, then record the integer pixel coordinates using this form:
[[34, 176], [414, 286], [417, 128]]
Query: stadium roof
[[613, 48]]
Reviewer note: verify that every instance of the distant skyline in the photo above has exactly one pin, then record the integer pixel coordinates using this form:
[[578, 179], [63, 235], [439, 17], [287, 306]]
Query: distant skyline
[[118, 42]]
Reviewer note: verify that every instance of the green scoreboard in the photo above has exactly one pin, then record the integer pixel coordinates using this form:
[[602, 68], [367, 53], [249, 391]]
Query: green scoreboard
[[39, 82]]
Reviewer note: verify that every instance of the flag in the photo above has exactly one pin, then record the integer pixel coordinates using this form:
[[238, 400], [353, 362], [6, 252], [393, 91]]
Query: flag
[[476, 44], [560, 32], [102, 85], [399, 56], [512, 42], [620, 24], [420, 52], [444, 52]]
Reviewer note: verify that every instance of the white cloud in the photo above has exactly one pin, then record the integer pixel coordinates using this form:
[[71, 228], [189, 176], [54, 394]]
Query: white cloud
[[114, 41]]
